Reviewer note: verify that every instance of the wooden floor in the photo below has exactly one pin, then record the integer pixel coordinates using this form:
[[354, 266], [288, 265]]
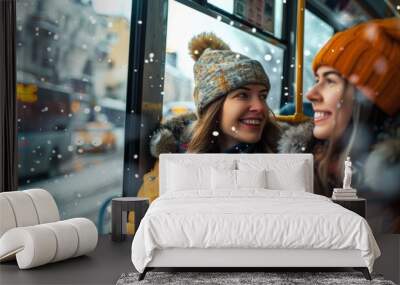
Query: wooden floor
[[110, 259], [102, 266]]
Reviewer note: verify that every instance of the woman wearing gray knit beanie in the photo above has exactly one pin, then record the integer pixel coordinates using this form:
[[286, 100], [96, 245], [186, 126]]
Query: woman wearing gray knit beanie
[[230, 97], [232, 112]]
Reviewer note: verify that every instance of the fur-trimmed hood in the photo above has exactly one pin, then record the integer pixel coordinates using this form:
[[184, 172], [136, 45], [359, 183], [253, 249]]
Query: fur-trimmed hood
[[173, 135], [297, 139], [381, 167]]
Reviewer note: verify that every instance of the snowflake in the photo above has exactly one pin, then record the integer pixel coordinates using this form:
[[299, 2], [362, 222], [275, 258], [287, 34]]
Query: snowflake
[[268, 57]]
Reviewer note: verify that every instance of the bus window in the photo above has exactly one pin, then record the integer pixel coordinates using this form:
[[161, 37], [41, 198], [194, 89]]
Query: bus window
[[72, 65], [349, 12], [264, 14], [44, 130], [48, 111], [179, 82], [316, 34]]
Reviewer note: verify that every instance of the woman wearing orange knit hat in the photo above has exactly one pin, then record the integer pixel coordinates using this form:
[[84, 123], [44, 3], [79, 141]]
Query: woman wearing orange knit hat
[[356, 100]]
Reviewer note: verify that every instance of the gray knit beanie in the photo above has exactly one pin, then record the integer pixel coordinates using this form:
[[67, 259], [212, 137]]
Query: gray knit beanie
[[218, 70]]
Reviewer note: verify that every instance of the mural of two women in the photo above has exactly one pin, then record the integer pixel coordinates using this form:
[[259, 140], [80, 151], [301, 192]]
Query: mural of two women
[[356, 100]]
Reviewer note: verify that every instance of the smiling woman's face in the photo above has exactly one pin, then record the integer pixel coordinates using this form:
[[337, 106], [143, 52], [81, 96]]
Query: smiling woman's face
[[244, 115], [332, 101]]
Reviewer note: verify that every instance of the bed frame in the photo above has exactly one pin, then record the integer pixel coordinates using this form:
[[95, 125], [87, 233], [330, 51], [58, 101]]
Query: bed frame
[[246, 259], [242, 259]]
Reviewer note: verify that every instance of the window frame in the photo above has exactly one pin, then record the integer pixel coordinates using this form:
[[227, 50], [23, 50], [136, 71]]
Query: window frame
[[144, 102], [8, 98], [326, 15]]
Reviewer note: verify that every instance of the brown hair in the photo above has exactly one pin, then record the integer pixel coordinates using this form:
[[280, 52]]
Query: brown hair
[[204, 142], [357, 138], [330, 153]]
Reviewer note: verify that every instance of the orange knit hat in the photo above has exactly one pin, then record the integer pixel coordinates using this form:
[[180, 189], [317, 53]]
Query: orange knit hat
[[368, 55]]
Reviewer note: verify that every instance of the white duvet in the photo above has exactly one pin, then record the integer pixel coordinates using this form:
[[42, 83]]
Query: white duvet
[[253, 218]]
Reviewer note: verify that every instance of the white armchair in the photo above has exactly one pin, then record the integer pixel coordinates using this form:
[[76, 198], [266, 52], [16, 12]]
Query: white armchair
[[31, 230]]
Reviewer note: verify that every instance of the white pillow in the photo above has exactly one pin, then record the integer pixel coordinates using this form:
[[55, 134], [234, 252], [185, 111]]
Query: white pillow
[[292, 179], [223, 179], [183, 177], [251, 178], [186, 175], [281, 174]]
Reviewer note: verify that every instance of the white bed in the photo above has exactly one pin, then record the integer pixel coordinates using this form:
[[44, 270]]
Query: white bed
[[247, 210]]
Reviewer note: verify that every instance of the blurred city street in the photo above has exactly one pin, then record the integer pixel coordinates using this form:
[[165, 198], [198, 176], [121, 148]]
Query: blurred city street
[[86, 182]]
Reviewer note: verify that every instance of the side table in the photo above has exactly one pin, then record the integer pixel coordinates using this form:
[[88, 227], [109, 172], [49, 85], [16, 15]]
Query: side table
[[120, 210], [358, 206]]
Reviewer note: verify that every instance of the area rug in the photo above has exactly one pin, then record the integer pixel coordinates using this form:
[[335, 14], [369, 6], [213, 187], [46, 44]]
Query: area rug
[[273, 278]]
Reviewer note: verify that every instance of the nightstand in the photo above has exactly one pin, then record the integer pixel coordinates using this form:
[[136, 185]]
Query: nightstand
[[120, 209], [358, 206]]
